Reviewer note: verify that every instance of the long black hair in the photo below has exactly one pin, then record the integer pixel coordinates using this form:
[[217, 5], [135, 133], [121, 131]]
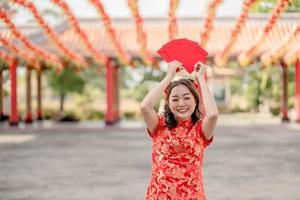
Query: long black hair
[[170, 119]]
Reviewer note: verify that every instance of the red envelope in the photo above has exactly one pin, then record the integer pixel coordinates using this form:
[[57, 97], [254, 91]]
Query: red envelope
[[191, 57], [164, 55], [185, 51], [185, 46], [171, 50], [175, 42]]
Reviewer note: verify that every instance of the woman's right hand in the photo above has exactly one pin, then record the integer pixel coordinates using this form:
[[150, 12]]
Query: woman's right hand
[[173, 66]]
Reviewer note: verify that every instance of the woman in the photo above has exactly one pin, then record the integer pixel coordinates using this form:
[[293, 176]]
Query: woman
[[180, 135]]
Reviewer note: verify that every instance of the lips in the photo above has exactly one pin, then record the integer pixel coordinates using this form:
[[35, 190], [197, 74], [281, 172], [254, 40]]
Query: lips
[[182, 110]]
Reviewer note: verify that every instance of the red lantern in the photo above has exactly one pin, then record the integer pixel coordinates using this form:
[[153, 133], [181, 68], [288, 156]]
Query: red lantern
[[46, 56], [208, 21], [51, 33], [124, 58]]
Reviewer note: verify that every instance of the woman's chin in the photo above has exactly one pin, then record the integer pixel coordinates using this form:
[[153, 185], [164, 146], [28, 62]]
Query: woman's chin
[[183, 116]]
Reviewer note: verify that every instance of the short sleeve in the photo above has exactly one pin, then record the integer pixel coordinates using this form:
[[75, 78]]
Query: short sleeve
[[206, 142], [159, 126]]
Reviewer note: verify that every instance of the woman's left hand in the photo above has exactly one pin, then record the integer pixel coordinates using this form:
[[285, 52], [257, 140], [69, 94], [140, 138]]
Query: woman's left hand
[[200, 68]]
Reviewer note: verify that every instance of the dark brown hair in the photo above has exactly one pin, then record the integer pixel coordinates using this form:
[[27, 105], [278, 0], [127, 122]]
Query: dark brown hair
[[170, 119]]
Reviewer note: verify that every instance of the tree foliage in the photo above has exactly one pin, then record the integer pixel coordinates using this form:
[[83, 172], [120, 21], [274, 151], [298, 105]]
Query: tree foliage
[[65, 82], [264, 86], [266, 6]]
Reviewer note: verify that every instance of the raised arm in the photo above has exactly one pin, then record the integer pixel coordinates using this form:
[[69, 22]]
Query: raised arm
[[147, 106], [209, 104]]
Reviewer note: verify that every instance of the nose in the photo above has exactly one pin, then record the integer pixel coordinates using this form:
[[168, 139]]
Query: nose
[[181, 102]]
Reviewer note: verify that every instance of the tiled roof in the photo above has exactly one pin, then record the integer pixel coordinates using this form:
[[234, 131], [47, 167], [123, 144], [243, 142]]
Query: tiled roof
[[157, 34]]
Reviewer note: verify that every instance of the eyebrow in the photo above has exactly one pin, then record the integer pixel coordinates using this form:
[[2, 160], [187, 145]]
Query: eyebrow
[[182, 95]]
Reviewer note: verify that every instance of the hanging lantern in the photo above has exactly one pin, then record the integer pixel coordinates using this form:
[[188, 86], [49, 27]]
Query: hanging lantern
[[124, 58], [268, 27], [4, 56], [51, 33], [141, 34], [75, 24], [172, 19], [48, 57], [277, 53], [208, 21]]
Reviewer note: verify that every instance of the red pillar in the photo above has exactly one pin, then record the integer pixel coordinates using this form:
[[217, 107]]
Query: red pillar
[[39, 94], [112, 93], [28, 115], [284, 96], [297, 90], [14, 117]]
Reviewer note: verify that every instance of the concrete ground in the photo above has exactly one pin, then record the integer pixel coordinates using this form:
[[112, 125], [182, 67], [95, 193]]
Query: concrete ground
[[88, 161]]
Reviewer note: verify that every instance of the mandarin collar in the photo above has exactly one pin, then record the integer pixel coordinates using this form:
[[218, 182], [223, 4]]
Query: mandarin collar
[[185, 123]]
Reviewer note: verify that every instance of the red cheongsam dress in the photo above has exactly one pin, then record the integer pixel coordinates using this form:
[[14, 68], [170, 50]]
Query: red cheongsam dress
[[177, 156]]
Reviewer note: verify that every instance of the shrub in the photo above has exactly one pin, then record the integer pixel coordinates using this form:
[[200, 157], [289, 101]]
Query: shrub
[[49, 113], [275, 111], [68, 116], [93, 115], [130, 114]]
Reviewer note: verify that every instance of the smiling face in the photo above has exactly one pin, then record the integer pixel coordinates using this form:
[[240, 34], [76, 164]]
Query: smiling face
[[181, 102]]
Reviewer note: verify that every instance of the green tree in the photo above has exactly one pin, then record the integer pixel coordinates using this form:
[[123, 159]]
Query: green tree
[[270, 80], [148, 77], [95, 75], [263, 85], [139, 80], [266, 6], [67, 81], [251, 86]]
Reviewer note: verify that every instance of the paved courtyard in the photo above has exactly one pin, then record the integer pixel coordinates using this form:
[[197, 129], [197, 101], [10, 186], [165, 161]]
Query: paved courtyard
[[93, 162]]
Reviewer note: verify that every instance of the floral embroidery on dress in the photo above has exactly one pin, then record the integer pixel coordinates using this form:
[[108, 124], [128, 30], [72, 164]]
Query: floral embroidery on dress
[[177, 156]]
